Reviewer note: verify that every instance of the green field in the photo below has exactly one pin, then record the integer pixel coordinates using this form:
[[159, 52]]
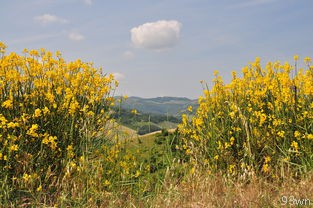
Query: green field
[[144, 123]]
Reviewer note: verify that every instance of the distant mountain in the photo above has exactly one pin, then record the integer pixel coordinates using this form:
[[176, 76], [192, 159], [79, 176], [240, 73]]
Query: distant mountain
[[160, 105]]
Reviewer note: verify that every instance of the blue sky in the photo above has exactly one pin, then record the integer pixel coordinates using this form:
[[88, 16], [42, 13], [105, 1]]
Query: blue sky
[[164, 47]]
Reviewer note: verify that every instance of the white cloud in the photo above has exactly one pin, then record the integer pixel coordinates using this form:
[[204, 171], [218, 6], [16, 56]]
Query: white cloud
[[48, 18], [128, 55], [88, 2], [118, 76], [75, 36], [158, 35]]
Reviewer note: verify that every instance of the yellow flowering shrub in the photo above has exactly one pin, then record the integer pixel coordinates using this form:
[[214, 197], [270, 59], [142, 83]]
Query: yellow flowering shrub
[[121, 167], [49, 109], [255, 122]]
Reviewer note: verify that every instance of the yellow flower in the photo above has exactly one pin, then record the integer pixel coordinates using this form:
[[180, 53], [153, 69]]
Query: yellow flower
[[12, 125], [295, 145], [32, 130], [7, 104], [281, 134], [39, 188], [70, 152], [192, 170], [52, 141], [295, 57], [232, 114], [184, 119], [59, 90], [262, 119], [106, 183], [37, 113], [46, 110], [137, 174], [286, 159], [307, 60], [232, 140], [234, 74], [81, 159], [188, 151], [74, 106], [297, 134], [267, 159], [2, 45], [231, 168], [90, 114], [134, 111], [72, 164], [265, 168], [227, 145], [13, 147], [26, 177]]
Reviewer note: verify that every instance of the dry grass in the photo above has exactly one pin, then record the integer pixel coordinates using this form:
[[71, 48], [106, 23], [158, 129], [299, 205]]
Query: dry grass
[[216, 191], [207, 191]]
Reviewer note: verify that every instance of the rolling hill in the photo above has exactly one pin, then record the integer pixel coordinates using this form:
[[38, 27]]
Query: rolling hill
[[174, 106]]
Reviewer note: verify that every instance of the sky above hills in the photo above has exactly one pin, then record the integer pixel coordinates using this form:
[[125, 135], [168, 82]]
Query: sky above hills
[[164, 47]]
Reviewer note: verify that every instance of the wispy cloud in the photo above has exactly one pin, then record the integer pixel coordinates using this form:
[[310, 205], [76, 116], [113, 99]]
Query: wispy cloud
[[48, 19], [118, 76], [128, 55], [88, 2], [157, 36], [75, 36]]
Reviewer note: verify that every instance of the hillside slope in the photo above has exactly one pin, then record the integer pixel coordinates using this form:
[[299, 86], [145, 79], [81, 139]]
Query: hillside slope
[[160, 105]]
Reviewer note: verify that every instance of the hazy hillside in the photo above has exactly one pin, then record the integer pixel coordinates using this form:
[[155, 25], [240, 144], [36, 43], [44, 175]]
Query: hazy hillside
[[144, 123], [159, 105]]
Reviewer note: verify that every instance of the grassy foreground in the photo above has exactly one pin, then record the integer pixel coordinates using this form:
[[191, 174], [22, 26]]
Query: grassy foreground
[[205, 189], [217, 191], [248, 144]]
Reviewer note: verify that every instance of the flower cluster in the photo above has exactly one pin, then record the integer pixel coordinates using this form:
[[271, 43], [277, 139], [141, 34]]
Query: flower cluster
[[260, 122], [47, 109]]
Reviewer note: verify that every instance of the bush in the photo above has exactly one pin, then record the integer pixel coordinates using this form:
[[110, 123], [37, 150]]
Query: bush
[[49, 111], [260, 123]]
